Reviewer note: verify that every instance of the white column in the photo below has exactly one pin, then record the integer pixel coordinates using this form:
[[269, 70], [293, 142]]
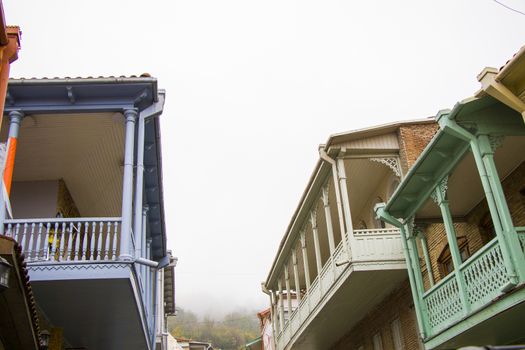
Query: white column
[[296, 276], [281, 305], [288, 291], [305, 261], [328, 215], [346, 205], [317, 247], [139, 188]]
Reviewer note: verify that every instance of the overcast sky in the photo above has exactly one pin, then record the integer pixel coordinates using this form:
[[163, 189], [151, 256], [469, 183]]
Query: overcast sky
[[252, 88]]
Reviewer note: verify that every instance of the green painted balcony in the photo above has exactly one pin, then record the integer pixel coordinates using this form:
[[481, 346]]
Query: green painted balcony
[[461, 211]]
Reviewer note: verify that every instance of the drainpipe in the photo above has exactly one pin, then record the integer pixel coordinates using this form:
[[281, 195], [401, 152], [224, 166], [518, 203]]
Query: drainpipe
[[324, 156], [267, 292], [152, 111], [451, 126], [495, 88], [385, 216]]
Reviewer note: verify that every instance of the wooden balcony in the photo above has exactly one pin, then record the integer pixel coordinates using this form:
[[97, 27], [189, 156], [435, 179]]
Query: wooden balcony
[[486, 286], [80, 284], [336, 299]]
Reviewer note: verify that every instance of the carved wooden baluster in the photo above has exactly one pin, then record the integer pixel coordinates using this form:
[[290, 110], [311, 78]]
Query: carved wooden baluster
[[30, 244], [69, 234], [100, 238], [115, 238], [38, 240], [84, 241], [77, 252], [107, 242], [54, 242], [62, 242], [47, 239], [24, 238], [93, 238]]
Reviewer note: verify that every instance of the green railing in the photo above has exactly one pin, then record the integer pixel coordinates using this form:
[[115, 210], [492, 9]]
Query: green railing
[[485, 276]]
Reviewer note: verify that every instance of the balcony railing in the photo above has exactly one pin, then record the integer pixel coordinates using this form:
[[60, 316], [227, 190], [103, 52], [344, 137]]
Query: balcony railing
[[66, 239], [369, 245], [485, 277]]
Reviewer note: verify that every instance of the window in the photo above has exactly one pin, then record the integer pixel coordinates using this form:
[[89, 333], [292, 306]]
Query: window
[[377, 222], [445, 262], [486, 228], [378, 344], [397, 337]]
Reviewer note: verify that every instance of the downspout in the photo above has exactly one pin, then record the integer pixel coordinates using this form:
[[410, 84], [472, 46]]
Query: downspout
[[495, 88], [385, 216], [267, 292], [324, 156]]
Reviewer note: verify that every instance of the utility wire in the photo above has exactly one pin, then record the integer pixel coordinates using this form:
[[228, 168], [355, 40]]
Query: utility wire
[[509, 8]]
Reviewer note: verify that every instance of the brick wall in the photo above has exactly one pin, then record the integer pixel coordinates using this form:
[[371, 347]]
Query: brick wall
[[412, 141], [398, 305]]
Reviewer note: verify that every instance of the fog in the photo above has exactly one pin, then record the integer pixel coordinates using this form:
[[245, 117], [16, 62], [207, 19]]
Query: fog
[[252, 88]]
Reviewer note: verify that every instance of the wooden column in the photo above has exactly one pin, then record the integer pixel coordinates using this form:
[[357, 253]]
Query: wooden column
[[281, 305], [452, 241], [296, 276], [305, 261]]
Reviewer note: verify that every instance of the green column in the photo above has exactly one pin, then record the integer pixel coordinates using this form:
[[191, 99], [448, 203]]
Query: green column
[[508, 230], [452, 242], [424, 247], [415, 286]]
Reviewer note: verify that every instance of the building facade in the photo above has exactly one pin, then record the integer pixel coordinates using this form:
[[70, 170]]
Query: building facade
[[86, 200], [461, 213], [344, 265]]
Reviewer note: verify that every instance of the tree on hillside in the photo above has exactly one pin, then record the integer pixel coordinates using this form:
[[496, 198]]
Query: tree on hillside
[[230, 333]]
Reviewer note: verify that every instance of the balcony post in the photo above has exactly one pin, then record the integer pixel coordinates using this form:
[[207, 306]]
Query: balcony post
[[488, 145], [139, 187], [439, 198], [130, 116], [415, 286], [328, 215], [424, 247], [288, 291], [273, 315], [296, 276], [317, 247], [281, 305], [348, 235], [305, 261], [15, 119]]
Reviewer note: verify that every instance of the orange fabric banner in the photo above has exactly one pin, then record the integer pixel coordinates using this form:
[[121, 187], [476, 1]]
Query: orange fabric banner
[[9, 163]]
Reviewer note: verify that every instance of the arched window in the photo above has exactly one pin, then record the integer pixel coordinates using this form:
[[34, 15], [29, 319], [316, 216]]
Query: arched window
[[446, 265], [377, 222]]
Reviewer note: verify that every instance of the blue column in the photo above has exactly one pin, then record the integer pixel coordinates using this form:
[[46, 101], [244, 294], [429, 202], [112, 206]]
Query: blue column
[[127, 188], [15, 118]]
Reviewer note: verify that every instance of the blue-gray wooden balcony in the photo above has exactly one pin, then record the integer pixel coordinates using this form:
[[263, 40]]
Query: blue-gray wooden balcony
[[95, 274], [336, 262], [474, 165]]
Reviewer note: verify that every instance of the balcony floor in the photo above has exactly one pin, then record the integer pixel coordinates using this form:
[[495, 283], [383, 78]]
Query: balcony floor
[[354, 295], [97, 305], [501, 323]]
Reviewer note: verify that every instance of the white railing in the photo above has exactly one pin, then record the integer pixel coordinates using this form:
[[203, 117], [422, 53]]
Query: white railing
[[66, 239], [377, 244]]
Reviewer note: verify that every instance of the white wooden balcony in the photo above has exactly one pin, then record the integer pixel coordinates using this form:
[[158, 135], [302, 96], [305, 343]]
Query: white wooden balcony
[[336, 299]]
